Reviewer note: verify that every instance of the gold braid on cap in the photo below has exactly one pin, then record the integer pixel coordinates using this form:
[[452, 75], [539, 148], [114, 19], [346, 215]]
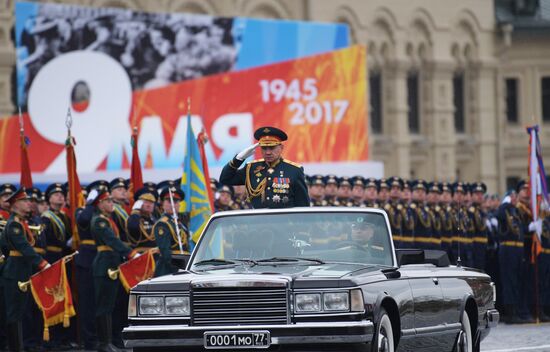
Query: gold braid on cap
[[254, 192]]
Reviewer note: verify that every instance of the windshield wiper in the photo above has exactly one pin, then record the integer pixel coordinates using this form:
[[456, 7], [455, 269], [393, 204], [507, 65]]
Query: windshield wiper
[[216, 261], [289, 259]]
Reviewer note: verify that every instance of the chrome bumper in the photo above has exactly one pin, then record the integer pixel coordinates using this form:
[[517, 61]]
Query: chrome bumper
[[299, 333], [492, 318]]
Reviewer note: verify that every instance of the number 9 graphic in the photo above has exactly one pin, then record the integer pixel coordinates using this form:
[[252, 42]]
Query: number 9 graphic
[[101, 124]]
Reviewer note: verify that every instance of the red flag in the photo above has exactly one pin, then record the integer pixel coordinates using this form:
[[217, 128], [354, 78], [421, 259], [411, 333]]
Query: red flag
[[52, 293], [136, 270], [26, 176], [76, 198], [136, 178], [202, 139]]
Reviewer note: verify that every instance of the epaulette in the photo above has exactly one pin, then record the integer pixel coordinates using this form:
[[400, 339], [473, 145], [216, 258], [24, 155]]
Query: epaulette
[[324, 203], [399, 206], [164, 218], [471, 209], [135, 211], [437, 208], [387, 206], [292, 163], [413, 206], [257, 161]]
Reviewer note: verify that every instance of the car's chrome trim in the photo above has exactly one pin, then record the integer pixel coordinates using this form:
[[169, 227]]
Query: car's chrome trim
[[492, 318], [238, 281], [275, 340]]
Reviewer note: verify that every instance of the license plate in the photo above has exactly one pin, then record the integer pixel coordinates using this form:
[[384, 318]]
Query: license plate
[[237, 339]]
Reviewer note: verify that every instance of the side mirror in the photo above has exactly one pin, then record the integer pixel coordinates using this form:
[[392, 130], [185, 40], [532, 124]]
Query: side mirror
[[409, 256], [180, 260]]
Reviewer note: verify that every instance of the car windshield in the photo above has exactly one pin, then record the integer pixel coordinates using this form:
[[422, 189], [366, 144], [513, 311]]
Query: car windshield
[[308, 237]]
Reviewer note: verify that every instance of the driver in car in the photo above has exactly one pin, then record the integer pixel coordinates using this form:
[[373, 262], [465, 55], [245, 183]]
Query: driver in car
[[362, 237]]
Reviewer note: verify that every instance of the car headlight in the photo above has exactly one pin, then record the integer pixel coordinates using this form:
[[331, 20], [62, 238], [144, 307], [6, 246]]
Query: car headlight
[[336, 301], [132, 306], [308, 302], [177, 305], [151, 305]]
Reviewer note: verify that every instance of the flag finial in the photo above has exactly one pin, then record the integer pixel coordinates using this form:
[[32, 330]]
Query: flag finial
[[21, 123], [189, 105], [69, 119]]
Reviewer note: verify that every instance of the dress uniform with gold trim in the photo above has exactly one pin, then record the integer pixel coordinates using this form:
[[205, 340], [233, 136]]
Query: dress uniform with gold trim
[[318, 200], [6, 190], [331, 189], [232, 205], [140, 225], [480, 236], [166, 234], [394, 209], [280, 184]]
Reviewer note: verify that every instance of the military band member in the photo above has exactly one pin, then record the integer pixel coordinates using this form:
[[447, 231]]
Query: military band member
[[110, 253], [371, 193], [331, 190], [479, 220], [344, 190], [166, 234], [395, 210], [317, 191], [20, 264], [225, 199], [57, 225], [140, 222], [6, 191], [357, 192], [271, 182], [423, 231]]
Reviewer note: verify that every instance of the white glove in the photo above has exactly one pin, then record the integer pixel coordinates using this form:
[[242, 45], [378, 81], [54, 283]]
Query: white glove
[[536, 226], [47, 266], [92, 195], [137, 255], [137, 204], [494, 221], [69, 243], [488, 224], [247, 152]]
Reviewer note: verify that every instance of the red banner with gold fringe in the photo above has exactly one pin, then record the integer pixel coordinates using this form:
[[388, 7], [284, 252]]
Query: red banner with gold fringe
[[52, 294], [136, 270]]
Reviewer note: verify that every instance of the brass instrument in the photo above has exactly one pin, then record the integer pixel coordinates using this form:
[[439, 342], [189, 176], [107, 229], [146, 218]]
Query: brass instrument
[[34, 228], [24, 285]]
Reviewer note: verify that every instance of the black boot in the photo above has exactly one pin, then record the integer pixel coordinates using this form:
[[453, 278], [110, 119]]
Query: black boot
[[15, 337], [104, 334]]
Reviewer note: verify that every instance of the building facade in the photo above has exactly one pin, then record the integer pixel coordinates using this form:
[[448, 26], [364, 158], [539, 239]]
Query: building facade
[[452, 85]]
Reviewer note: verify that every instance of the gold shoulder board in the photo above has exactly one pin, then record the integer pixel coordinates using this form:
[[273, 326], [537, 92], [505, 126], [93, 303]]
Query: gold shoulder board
[[292, 163]]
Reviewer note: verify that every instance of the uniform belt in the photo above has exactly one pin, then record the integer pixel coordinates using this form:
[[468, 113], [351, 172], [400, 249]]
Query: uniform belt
[[427, 240], [446, 239], [407, 239], [88, 242], [177, 251], [103, 248], [480, 239], [546, 250], [143, 249], [511, 243], [54, 249], [39, 250], [14, 253], [397, 238], [462, 240]]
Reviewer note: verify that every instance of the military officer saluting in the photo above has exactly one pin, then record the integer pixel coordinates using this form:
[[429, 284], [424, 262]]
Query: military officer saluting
[[22, 260], [6, 191], [271, 182], [140, 222], [166, 231]]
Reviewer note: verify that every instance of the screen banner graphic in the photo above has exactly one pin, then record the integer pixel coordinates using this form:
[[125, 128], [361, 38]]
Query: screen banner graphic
[[320, 101], [157, 49]]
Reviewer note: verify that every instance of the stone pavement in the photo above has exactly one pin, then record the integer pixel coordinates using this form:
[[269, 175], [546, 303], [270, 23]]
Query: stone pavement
[[518, 338]]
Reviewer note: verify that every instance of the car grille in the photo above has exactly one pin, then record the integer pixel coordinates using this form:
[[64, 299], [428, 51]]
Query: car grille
[[239, 306]]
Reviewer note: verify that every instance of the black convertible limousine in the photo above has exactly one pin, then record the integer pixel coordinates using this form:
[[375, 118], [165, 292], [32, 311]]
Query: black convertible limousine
[[310, 279]]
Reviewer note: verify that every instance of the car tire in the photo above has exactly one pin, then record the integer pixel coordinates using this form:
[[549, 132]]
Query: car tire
[[383, 338], [464, 340]]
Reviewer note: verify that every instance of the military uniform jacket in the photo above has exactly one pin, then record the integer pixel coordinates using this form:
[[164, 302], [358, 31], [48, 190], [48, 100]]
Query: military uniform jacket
[[39, 238], [423, 230], [57, 229], [478, 219], [318, 202], [21, 258], [167, 242], [281, 185], [110, 248], [87, 250], [395, 215], [140, 231], [120, 216], [221, 207], [510, 230], [525, 218]]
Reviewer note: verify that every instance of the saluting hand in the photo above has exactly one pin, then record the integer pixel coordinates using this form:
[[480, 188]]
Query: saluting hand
[[247, 152]]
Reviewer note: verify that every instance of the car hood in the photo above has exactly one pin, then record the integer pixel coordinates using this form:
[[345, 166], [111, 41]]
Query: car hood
[[296, 275]]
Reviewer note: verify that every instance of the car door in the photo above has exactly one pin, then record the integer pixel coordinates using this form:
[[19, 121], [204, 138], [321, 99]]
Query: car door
[[429, 314]]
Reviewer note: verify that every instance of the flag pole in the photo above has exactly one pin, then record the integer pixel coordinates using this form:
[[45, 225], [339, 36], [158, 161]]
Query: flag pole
[[175, 218]]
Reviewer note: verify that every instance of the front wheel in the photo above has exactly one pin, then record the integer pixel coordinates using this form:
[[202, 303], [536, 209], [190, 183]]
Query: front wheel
[[383, 338], [464, 339]]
